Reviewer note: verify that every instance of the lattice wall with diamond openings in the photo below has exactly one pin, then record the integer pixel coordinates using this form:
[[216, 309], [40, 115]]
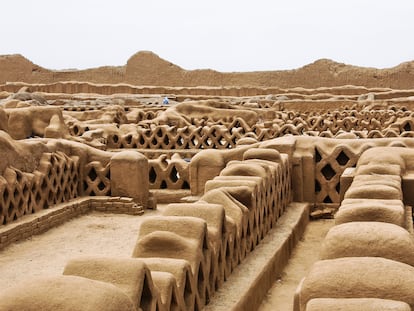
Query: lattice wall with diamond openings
[[97, 179], [55, 181], [14, 195], [167, 173], [329, 167], [168, 138], [364, 124], [58, 180], [216, 137]]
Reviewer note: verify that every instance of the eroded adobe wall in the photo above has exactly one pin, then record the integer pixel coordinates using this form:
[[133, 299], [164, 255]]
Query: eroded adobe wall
[[169, 132], [182, 257], [372, 233], [146, 68]]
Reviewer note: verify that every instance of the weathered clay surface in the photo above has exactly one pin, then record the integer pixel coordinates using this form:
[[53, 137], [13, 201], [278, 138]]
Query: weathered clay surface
[[65, 293], [369, 239], [244, 151], [389, 211], [146, 68], [352, 304], [359, 277]]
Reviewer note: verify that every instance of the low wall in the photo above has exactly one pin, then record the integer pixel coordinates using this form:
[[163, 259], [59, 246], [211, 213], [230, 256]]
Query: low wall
[[59, 213]]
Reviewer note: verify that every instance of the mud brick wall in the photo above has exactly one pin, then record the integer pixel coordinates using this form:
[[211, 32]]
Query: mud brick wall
[[57, 214], [55, 181], [373, 233]]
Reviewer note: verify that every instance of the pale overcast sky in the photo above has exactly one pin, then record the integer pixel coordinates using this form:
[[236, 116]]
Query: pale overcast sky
[[225, 35]]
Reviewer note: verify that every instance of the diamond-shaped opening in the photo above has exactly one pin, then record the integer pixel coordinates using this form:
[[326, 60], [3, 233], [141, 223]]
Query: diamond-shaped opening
[[318, 156], [128, 139], [75, 178], [166, 140], [180, 141], [317, 186], [25, 189], [222, 141], [342, 158], [101, 185], [194, 141], [10, 210], [174, 176], [115, 138], [338, 187], [327, 199], [185, 185], [152, 175], [141, 140], [38, 198], [76, 130], [16, 193], [6, 195], [163, 185], [328, 172], [85, 185], [92, 174], [154, 141], [407, 127]]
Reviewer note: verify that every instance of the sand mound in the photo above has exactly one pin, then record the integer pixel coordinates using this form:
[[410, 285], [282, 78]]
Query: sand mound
[[147, 68]]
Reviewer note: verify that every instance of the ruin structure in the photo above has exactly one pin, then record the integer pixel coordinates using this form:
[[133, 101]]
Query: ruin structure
[[230, 158]]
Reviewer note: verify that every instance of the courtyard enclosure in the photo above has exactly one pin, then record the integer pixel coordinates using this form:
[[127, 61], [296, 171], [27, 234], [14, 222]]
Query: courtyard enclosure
[[230, 163]]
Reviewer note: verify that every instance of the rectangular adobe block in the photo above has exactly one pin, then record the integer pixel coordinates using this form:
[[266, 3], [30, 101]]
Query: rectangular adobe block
[[129, 176]]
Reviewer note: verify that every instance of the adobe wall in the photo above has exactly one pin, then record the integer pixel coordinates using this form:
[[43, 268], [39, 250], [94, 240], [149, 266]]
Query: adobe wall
[[146, 68]]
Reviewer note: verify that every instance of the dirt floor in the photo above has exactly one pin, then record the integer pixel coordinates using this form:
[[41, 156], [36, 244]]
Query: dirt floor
[[47, 254], [115, 235], [280, 296]]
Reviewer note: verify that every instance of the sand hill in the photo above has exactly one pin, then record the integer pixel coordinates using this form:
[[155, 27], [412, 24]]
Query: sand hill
[[147, 68]]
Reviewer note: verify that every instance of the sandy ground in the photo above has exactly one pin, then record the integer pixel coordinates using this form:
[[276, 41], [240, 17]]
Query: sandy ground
[[280, 296], [47, 254], [115, 235]]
